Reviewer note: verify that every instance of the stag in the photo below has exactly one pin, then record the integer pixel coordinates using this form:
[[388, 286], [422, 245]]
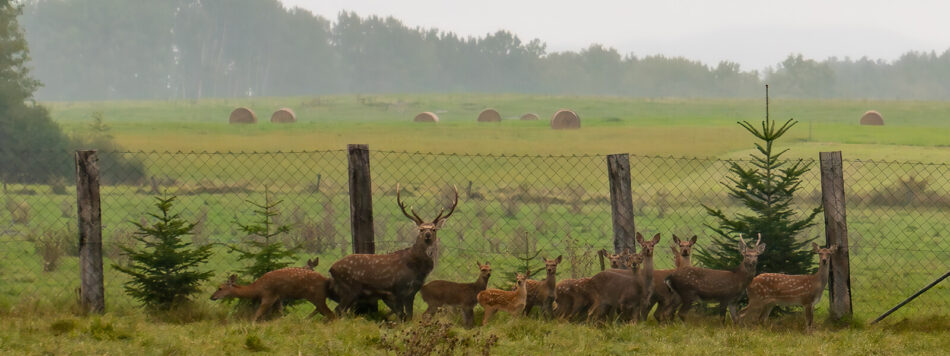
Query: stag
[[396, 277], [726, 287]]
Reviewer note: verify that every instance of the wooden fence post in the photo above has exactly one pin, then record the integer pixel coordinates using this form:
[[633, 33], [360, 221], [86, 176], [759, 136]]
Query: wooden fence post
[[361, 199], [621, 202], [836, 232], [91, 290]]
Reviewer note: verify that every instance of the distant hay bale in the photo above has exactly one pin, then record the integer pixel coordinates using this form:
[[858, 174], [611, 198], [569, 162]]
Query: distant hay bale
[[489, 115], [242, 115], [283, 116], [426, 117], [565, 119], [530, 116], [873, 118]]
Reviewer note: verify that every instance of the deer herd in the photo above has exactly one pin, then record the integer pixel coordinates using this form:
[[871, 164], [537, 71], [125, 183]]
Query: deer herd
[[627, 291]]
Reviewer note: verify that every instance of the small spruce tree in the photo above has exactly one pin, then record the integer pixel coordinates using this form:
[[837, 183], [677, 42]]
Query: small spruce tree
[[263, 251], [165, 270], [765, 186]]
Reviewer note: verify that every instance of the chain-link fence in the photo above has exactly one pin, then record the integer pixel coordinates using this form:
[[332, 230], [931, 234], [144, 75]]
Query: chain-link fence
[[511, 207]]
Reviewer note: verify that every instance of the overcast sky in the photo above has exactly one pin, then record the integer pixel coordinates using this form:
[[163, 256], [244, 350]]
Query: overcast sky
[[754, 33]]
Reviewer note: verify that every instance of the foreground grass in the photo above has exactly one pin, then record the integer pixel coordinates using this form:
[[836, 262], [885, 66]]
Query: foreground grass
[[132, 332]]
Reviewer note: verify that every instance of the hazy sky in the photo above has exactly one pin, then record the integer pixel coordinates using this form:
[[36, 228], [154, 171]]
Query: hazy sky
[[754, 33]]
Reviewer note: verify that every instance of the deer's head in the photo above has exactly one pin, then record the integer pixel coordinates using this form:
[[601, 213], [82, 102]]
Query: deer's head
[[634, 260], [750, 255], [312, 263], [617, 260], [427, 230], [647, 245], [484, 270], [685, 247], [551, 265], [824, 254], [224, 290], [519, 280]]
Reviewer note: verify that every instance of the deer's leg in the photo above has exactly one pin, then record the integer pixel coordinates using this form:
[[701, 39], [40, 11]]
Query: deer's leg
[[809, 311], [468, 315], [488, 313], [766, 312], [433, 308], [321, 307], [686, 306], [732, 312], [409, 302], [266, 303]]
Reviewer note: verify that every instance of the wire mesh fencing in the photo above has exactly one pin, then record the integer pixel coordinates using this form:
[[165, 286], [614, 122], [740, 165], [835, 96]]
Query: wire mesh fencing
[[512, 211]]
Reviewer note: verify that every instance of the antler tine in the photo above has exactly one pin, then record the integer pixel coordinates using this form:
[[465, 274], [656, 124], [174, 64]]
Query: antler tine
[[759, 240], [402, 207], [454, 204], [742, 241]]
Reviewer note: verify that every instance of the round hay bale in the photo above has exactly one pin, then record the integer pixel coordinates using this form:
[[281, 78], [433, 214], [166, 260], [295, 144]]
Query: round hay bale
[[872, 117], [283, 116], [565, 119], [530, 116], [242, 115], [426, 117], [489, 115]]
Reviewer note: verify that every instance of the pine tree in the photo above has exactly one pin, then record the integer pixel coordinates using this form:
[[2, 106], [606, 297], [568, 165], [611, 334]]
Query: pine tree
[[165, 271], [765, 186], [264, 253]]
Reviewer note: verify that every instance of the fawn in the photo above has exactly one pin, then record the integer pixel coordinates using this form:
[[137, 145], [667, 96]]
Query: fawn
[[464, 295], [543, 292], [770, 289], [510, 301], [397, 276], [284, 283], [726, 287], [665, 299]]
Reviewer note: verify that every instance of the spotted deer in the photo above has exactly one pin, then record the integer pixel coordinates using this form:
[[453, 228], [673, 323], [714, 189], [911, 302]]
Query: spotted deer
[[396, 277], [683, 250], [726, 287], [441, 293], [284, 283], [650, 283], [543, 292], [770, 289], [513, 302]]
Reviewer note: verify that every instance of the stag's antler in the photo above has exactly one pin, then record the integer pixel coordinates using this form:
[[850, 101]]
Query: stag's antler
[[415, 217], [454, 204]]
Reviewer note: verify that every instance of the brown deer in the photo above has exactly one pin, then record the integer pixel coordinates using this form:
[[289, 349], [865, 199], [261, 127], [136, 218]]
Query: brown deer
[[512, 302], [464, 295], [770, 289], [648, 275], [664, 298], [616, 290], [395, 276], [543, 292], [683, 250], [574, 296], [284, 283], [726, 287]]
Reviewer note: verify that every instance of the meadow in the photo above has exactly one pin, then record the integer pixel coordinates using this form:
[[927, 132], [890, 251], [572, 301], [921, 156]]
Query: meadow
[[524, 188]]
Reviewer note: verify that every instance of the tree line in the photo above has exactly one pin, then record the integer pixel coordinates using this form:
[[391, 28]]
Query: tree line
[[139, 49]]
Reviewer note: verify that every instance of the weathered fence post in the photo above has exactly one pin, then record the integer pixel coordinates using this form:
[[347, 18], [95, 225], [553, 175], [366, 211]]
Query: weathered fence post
[[361, 199], [836, 232], [91, 290], [621, 202]]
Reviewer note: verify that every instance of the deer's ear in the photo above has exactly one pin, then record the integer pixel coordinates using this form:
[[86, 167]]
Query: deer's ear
[[639, 238], [439, 224], [558, 259], [692, 240], [676, 239], [656, 239], [814, 247], [478, 264], [232, 279], [760, 248]]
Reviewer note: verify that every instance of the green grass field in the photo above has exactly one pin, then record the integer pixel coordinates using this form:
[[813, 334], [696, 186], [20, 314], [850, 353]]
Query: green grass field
[[562, 203]]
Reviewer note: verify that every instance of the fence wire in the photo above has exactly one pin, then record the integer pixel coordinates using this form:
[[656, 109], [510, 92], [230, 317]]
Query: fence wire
[[510, 208]]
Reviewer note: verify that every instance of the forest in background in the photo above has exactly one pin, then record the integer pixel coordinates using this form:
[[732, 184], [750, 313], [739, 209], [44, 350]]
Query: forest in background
[[189, 49]]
